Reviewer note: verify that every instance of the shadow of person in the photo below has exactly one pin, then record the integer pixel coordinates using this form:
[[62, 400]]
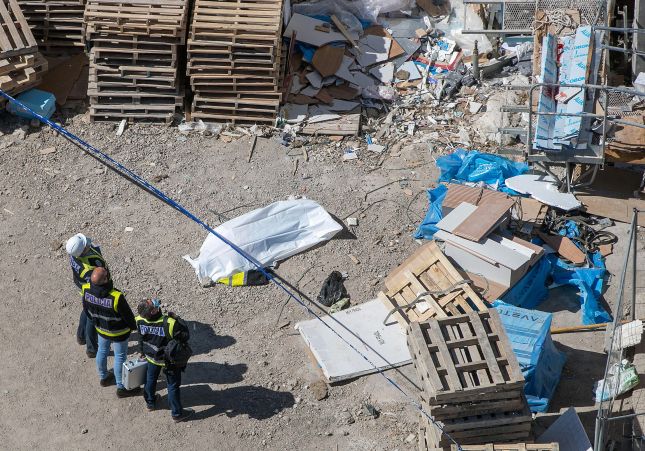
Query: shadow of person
[[213, 373], [257, 402], [203, 338]]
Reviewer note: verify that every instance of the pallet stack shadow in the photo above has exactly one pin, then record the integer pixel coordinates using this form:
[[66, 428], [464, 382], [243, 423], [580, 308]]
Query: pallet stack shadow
[[135, 55], [57, 25], [234, 66], [471, 382], [21, 66]]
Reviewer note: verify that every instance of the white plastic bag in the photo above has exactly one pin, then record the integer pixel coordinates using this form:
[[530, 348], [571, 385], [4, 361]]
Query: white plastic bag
[[268, 234], [622, 377]]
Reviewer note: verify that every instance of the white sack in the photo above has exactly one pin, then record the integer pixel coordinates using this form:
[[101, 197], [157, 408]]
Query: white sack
[[268, 234]]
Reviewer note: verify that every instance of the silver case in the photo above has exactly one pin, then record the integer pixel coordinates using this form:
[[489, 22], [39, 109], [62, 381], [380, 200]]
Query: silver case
[[134, 373]]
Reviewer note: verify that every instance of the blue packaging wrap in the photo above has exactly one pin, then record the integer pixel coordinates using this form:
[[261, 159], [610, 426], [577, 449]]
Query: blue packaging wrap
[[531, 290], [540, 361], [428, 227], [473, 166]]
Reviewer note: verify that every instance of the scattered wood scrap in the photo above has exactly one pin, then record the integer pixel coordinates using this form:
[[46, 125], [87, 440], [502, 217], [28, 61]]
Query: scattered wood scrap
[[564, 247]]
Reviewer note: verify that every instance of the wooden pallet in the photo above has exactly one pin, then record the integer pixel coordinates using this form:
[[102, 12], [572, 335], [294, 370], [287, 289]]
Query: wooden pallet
[[428, 269], [510, 447], [15, 36], [463, 356], [57, 25]]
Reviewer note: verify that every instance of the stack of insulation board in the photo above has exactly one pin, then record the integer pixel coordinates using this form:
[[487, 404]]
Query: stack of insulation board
[[57, 25], [21, 66], [471, 383], [135, 58], [234, 60]]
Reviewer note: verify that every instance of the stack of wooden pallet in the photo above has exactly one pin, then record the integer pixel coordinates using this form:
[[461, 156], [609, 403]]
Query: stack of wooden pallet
[[21, 66], [510, 447], [471, 382], [234, 60], [135, 58], [57, 25]]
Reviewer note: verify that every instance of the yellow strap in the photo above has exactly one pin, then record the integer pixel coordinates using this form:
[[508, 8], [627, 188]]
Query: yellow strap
[[171, 325], [113, 334]]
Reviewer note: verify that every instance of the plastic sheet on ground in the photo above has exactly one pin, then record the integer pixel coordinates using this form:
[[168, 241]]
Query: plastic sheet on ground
[[531, 290], [268, 234], [540, 361], [463, 166], [428, 227], [589, 281]]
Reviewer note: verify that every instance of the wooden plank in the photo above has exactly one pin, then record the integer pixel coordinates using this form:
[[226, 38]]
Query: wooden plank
[[453, 380], [484, 219], [423, 357], [564, 247], [486, 349]]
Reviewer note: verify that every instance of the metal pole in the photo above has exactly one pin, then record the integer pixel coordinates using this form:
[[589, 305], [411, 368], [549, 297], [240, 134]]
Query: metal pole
[[634, 247], [476, 62]]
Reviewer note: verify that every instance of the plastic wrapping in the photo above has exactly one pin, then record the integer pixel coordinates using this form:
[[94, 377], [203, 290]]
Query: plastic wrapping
[[475, 167], [428, 227], [531, 290], [621, 378], [589, 281], [268, 234], [540, 361], [349, 13], [455, 25]]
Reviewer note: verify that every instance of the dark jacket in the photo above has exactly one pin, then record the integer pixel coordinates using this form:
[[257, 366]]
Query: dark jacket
[[99, 302], [156, 332], [83, 266]]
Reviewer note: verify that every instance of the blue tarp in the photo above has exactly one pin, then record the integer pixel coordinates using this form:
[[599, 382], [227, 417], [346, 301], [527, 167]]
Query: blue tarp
[[473, 166], [590, 283], [530, 291], [540, 361], [428, 227]]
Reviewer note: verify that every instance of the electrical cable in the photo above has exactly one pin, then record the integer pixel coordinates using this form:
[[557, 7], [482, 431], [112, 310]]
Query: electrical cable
[[152, 190]]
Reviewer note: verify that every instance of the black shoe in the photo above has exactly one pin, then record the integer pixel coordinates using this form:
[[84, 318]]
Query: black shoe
[[185, 414], [109, 380], [80, 341], [123, 393], [152, 407], [90, 354]]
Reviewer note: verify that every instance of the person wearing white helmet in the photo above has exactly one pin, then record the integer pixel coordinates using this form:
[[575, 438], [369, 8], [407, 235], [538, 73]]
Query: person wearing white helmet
[[83, 258]]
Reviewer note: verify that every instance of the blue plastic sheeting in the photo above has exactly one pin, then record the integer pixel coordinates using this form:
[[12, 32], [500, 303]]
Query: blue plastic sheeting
[[428, 227], [42, 102], [590, 283], [540, 361], [531, 290], [473, 166]]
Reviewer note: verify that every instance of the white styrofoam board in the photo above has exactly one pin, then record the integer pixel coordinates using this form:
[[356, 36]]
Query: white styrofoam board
[[458, 215], [494, 248], [305, 28], [568, 432], [361, 326], [544, 189], [472, 263]]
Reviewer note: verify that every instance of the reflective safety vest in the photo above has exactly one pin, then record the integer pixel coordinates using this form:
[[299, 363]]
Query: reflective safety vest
[[155, 335], [104, 312], [85, 264], [250, 278]]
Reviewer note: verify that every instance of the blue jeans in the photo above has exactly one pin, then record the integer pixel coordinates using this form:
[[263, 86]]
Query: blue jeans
[[86, 331], [120, 354], [173, 380]]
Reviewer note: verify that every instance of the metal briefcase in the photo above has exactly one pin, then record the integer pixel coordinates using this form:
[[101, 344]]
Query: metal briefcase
[[134, 373]]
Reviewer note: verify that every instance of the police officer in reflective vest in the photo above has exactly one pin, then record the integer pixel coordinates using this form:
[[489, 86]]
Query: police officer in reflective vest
[[113, 320], [83, 258], [155, 332]]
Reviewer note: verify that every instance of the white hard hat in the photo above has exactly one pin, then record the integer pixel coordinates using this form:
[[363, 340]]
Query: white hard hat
[[76, 244]]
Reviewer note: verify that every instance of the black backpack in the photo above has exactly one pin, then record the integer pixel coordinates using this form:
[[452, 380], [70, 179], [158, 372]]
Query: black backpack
[[177, 353]]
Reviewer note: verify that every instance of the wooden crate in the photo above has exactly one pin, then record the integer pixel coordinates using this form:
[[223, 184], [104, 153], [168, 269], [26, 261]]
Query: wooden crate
[[463, 356], [16, 37], [428, 269]]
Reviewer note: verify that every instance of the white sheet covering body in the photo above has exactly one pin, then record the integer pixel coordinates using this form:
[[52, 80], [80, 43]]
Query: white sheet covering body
[[269, 234]]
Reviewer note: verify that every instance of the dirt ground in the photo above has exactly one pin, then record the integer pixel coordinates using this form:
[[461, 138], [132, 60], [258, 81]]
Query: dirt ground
[[250, 379]]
